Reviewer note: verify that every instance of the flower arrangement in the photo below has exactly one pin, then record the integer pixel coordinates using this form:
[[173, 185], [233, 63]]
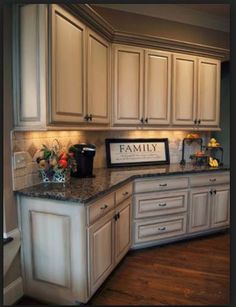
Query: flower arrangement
[[55, 164]]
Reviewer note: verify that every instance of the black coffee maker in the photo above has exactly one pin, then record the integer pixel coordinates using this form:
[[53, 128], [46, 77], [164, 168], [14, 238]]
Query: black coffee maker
[[84, 155]]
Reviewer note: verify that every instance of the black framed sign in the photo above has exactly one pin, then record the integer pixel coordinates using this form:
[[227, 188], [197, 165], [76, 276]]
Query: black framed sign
[[133, 152]]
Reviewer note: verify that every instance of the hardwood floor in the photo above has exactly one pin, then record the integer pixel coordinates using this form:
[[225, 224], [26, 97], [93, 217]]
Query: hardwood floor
[[194, 272]]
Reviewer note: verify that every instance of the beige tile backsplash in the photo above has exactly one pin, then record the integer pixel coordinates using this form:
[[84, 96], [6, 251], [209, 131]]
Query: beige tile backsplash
[[30, 142]]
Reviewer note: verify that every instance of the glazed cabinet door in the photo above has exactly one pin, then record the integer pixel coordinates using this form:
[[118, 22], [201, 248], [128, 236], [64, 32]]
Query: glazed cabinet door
[[67, 67], [220, 214], [199, 213], [128, 85], [184, 90], [123, 229], [157, 87], [98, 79], [208, 92], [100, 251]]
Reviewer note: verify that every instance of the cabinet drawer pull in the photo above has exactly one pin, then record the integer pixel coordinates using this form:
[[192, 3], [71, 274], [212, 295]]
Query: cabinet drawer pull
[[214, 191], [125, 193], [162, 228], [212, 180], [104, 207], [163, 184], [162, 205]]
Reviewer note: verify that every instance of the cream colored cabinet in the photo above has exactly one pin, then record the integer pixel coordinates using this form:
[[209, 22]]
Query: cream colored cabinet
[[123, 229], [98, 79], [141, 86], [184, 90], [157, 87], [67, 67], [101, 247], [80, 71], [195, 91], [128, 85], [208, 92], [220, 214], [199, 211]]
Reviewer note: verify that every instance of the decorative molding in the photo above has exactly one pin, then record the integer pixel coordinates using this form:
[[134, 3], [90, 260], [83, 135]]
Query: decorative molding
[[98, 23], [13, 292]]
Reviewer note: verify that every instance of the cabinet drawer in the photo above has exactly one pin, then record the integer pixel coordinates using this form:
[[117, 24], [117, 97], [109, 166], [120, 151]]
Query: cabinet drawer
[[155, 204], [123, 193], [209, 179], [100, 208], [162, 184], [156, 229]]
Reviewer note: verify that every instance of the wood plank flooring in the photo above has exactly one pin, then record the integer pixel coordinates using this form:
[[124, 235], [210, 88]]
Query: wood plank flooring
[[193, 272]]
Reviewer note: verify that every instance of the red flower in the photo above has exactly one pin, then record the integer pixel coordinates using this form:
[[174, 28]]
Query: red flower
[[63, 163], [63, 156]]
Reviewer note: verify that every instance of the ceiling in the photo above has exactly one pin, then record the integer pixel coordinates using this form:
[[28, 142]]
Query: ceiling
[[212, 16]]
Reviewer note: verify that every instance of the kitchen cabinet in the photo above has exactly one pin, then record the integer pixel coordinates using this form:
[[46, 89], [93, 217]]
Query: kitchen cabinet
[[196, 91], [141, 91], [220, 214]]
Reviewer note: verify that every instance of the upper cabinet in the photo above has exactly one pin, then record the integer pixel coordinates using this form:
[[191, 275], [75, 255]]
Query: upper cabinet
[[196, 91], [141, 86], [67, 75]]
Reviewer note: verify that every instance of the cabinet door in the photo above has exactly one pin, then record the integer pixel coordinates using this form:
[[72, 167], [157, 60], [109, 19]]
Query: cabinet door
[[98, 78], [101, 250], [123, 229], [184, 89], [208, 92], [199, 214], [67, 67], [128, 85], [157, 87], [220, 207]]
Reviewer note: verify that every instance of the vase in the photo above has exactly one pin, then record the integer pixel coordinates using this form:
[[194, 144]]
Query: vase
[[59, 176]]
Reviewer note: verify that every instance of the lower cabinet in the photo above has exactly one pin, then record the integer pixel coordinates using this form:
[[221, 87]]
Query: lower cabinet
[[109, 239], [209, 208]]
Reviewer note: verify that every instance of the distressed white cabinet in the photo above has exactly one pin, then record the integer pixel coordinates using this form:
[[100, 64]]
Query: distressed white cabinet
[[141, 86], [195, 91], [220, 214], [61, 70]]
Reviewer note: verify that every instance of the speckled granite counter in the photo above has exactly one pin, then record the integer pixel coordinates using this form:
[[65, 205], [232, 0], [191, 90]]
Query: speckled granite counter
[[83, 190]]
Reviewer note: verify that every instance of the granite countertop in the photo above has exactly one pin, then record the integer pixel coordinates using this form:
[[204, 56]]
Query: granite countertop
[[84, 190]]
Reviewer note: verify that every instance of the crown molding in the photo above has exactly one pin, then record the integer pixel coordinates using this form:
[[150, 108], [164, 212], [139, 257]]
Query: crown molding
[[94, 20]]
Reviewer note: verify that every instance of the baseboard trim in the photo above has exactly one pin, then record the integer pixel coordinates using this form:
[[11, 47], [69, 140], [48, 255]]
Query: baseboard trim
[[13, 292]]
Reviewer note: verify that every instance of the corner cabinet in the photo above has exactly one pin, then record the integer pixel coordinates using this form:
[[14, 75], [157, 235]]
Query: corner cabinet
[[62, 70], [196, 91]]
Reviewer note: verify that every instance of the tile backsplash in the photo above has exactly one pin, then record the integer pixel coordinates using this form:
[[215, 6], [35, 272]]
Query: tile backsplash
[[30, 142]]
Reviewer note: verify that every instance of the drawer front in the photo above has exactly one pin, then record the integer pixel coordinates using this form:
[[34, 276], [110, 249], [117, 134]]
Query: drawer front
[[160, 184], [156, 204], [157, 229], [124, 192], [209, 179], [100, 208]]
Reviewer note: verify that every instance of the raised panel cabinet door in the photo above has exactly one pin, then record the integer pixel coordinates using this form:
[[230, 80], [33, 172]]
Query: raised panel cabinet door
[[221, 207], [123, 229], [98, 82], [157, 87], [128, 85], [67, 67], [101, 251], [208, 92], [199, 214], [184, 90]]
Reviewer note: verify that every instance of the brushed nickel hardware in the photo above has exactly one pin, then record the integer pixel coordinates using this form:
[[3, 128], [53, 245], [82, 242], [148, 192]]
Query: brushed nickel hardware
[[162, 205], [162, 228], [163, 184]]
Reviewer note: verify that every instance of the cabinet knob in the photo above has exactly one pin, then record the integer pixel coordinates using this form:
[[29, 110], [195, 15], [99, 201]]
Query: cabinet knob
[[199, 122], [86, 117], [162, 228], [125, 193], [195, 121], [211, 192], [142, 120], [163, 184], [146, 120], [214, 191], [104, 207], [212, 179], [90, 117], [162, 205]]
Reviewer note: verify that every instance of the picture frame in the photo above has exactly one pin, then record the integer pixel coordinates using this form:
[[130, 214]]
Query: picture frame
[[134, 152]]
